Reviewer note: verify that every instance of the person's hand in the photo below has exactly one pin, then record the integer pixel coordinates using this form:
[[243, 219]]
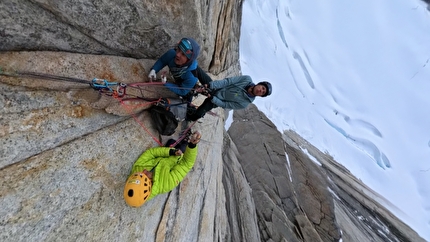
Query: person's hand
[[178, 152], [200, 89], [163, 78], [152, 75], [195, 137], [204, 90]]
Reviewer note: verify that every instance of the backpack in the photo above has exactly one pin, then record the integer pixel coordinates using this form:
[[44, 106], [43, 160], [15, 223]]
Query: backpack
[[167, 113], [164, 120], [176, 106]]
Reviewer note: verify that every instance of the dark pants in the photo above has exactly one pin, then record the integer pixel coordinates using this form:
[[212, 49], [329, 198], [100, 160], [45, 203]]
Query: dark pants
[[181, 145], [206, 106]]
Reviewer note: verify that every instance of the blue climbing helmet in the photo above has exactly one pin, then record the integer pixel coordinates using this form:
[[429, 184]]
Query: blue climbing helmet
[[268, 88], [190, 48]]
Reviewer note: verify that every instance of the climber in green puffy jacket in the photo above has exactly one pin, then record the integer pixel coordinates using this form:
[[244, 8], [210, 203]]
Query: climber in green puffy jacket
[[159, 170]]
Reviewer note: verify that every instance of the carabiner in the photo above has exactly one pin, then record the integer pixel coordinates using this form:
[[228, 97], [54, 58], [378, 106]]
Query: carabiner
[[121, 89]]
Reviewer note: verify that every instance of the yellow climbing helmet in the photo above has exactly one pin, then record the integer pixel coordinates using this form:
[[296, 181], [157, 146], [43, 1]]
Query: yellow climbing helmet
[[137, 189]]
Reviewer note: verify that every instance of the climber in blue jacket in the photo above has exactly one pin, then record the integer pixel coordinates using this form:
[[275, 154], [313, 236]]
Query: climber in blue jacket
[[183, 67]]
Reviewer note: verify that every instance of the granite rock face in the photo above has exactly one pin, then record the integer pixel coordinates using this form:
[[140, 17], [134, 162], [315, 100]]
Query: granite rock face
[[66, 149], [138, 29], [302, 194], [64, 161]]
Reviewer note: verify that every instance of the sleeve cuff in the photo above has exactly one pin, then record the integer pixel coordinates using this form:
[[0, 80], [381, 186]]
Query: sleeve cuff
[[172, 151], [191, 145]]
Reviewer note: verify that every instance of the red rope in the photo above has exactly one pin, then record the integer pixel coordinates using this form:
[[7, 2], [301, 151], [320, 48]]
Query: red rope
[[127, 107], [137, 84], [183, 135]]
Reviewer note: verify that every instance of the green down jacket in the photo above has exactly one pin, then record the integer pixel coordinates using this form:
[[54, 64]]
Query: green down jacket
[[168, 171]]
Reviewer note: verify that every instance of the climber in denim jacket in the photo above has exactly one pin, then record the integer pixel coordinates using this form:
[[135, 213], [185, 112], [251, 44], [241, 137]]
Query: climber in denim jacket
[[230, 93]]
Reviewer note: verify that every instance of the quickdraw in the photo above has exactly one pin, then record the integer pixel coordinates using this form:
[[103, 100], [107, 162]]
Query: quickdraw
[[106, 87]]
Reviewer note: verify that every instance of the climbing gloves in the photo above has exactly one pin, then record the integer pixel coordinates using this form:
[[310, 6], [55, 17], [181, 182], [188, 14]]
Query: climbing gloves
[[152, 75]]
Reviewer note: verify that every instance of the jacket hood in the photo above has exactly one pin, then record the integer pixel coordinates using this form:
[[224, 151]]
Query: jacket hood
[[196, 50]]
